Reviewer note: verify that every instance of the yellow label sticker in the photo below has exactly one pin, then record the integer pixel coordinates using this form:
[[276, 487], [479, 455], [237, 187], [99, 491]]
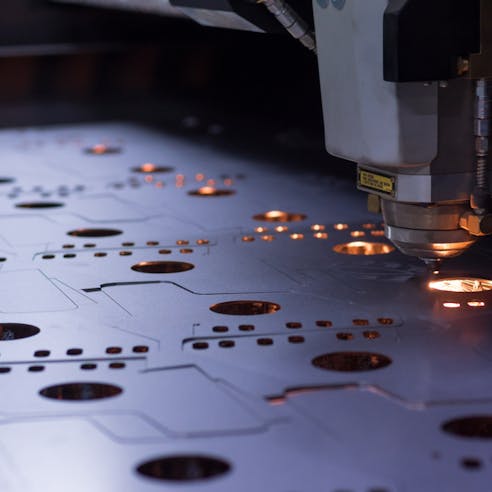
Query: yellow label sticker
[[377, 182]]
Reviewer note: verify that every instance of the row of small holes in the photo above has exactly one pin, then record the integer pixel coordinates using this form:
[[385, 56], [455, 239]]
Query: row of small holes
[[121, 253], [297, 325], [180, 242], [371, 335], [260, 341], [109, 350], [111, 365]]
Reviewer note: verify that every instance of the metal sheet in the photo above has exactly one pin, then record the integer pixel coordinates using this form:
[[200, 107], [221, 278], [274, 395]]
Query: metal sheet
[[343, 384]]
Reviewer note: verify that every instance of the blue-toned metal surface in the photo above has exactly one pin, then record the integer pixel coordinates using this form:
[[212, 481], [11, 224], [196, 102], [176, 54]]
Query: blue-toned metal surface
[[184, 344]]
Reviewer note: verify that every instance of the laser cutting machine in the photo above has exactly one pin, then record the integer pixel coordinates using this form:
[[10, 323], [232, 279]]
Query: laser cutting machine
[[405, 96]]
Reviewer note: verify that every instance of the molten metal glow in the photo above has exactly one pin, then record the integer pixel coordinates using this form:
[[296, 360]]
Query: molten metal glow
[[451, 305], [297, 236], [463, 284], [363, 248], [261, 229], [148, 167], [318, 227], [320, 235], [281, 228], [340, 227], [476, 303], [357, 233]]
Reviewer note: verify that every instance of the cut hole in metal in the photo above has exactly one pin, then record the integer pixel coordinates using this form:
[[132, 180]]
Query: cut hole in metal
[[42, 353], [184, 468], [15, 331], [296, 339], [360, 322], [80, 391], [345, 336], [472, 464], [113, 350], [207, 191], [36, 368], [462, 284], [200, 345], [140, 349], [385, 321], [246, 327], [74, 351], [264, 341], [227, 343], [165, 251], [371, 334], [102, 149], [148, 167], [351, 361], [323, 323], [245, 308], [279, 216], [94, 232], [88, 367], [475, 427], [40, 205], [162, 267], [364, 248], [6, 180], [220, 329], [293, 324]]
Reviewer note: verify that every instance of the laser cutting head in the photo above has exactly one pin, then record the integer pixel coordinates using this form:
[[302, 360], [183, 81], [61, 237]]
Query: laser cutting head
[[409, 103]]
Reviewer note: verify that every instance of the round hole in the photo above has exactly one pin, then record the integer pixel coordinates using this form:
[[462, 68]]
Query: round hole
[[207, 191], [42, 353], [462, 284], [80, 391], [475, 427], [351, 361], [88, 367], [125, 253], [200, 345], [113, 350], [293, 324], [360, 322], [323, 323], [14, 331], [165, 251], [74, 351], [117, 365], [279, 216], [4, 370], [162, 267], [245, 308], [371, 334], [48, 257], [296, 339], [94, 232], [140, 349], [363, 248], [246, 327], [100, 254], [102, 149], [4, 180], [472, 464], [345, 336], [184, 468], [264, 341], [36, 368], [148, 167], [220, 329], [227, 343], [385, 321], [39, 205]]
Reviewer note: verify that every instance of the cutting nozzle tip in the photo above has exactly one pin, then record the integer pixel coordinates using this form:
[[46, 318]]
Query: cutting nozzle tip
[[433, 265]]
